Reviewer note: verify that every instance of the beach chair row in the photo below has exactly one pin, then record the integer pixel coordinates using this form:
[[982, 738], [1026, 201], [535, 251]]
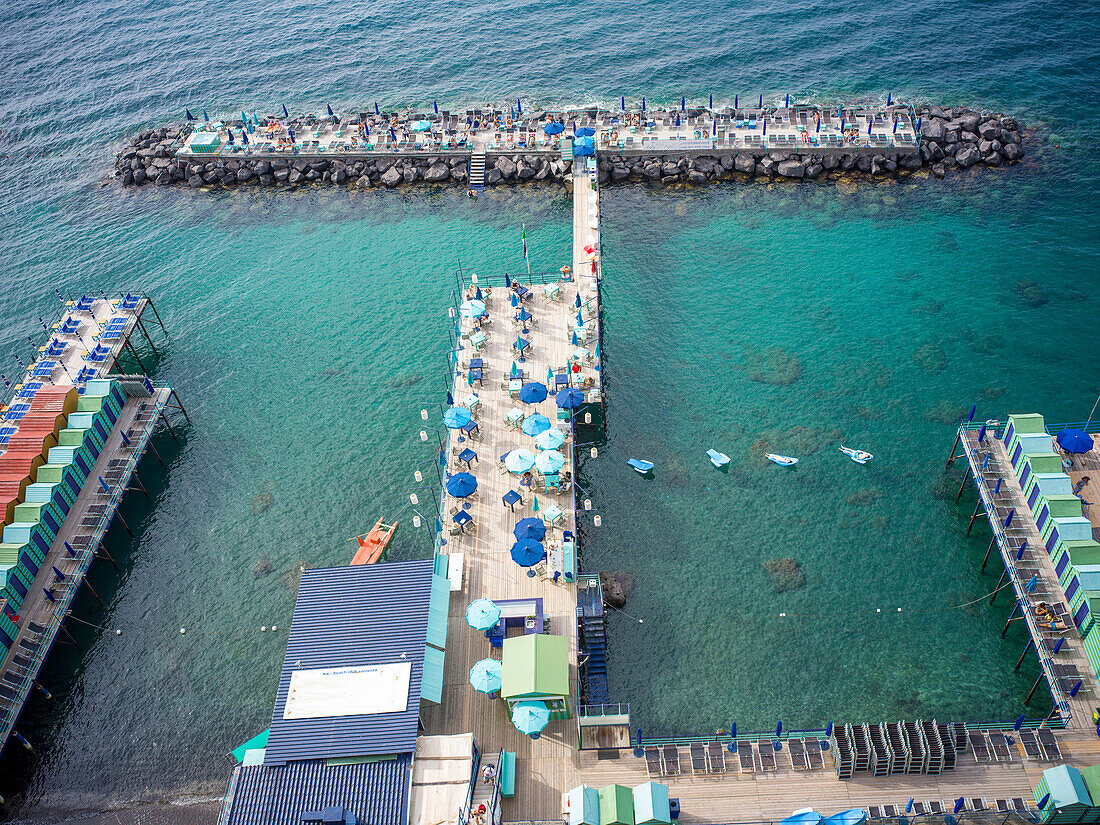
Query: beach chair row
[[941, 807], [747, 756], [920, 747], [995, 746]]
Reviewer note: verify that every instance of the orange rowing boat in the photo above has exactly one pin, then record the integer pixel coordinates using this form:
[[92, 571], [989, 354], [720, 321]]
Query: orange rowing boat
[[373, 544]]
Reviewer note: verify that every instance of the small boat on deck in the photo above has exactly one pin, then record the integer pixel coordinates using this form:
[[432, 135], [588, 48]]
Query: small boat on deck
[[858, 456], [718, 459], [640, 465], [373, 544], [781, 460]]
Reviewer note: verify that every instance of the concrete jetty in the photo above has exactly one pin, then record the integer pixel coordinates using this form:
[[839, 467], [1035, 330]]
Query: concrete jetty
[[693, 145]]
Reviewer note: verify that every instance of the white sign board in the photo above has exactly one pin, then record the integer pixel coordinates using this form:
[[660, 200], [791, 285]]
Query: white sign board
[[348, 691]]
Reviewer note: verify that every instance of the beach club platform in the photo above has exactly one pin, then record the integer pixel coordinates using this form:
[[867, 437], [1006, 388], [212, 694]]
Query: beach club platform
[[72, 433], [817, 128]]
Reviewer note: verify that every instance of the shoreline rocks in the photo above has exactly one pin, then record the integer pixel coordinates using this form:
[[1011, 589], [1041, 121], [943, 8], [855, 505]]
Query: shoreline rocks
[[951, 139]]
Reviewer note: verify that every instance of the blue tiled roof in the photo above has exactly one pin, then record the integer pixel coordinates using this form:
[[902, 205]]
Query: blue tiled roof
[[375, 792], [346, 617]]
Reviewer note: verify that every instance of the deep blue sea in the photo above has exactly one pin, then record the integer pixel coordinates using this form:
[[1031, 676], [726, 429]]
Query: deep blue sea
[[308, 328]]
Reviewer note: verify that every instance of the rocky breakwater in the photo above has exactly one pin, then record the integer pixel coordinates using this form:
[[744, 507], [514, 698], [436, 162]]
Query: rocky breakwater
[[950, 139]]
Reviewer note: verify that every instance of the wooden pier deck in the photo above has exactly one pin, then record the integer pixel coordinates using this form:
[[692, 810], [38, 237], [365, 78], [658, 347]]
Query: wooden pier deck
[[546, 766]]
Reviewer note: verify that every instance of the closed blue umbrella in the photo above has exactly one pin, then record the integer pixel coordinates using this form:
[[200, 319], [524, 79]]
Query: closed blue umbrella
[[1043, 802], [580, 319], [868, 125], [779, 727], [828, 730], [244, 138], [959, 804], [482, 614], [530, 718], [189, 115], [1019, 722], [456, 417], [712, 101], [981, 434], [521, 343], [1074, 441], [527, 552], [569, 398], [895, 125], [1029, 586], [735, 101], [909, 805], [376, 108], [622, 103], [290, 134], [205, 116], [888, 98], [485, 676], [524, 315], [285, 112], [472, 309], [513, 300], [461, 485], [643, 104], [760, 105], [330, 112], [479, 295], [535, 424], [392, 135], [519, 106], [787, 102], [529, 528], [1011, 515], [532, 393], [577, 301], [515, 370], [230, 138], [435, 104], [765, 129]]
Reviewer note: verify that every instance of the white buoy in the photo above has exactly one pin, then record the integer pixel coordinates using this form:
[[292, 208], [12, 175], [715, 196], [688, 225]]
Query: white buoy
[[183, 630], [118, 632], [263, 628], [273, 628]]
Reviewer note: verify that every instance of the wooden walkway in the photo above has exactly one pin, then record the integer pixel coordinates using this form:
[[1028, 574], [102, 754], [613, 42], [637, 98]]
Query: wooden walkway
[[547, 766]]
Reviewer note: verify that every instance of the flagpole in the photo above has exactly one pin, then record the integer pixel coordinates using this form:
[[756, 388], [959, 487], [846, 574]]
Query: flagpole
[[525, 256]]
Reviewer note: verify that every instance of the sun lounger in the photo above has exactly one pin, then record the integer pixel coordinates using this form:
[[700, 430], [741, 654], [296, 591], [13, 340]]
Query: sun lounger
[[1048, 743], [1003, 806], [934, 807], [1020, 805], [767, 755], [716, 757], [652, 761], [890, 810], [814, 757], [875, 812], [977, 745], [745, 757], [1000, 746], [698, 758], [670, 758], [1031, 744], [797, 752]]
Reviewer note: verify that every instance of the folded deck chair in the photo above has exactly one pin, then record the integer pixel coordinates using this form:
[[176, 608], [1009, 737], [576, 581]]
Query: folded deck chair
[[652, 761], [767, 755], [745, 757], [975, 803], [698, 758], [1048, 743], [875, 812], [1020, 805], [1003, 806], [935, 806], [716, 757], [670, 756], [977, 745], [813, 753], [797, 752]]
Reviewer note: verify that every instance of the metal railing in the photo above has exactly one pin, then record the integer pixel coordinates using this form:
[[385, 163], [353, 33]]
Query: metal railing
[[609, 709], [162, 391]]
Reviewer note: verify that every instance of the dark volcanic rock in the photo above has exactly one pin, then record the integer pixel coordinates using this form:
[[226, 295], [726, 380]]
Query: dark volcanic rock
[[786, 574]]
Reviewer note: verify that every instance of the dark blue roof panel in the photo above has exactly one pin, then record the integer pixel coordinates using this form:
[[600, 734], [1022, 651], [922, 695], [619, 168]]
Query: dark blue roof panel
[[347, 617], [376, 792]]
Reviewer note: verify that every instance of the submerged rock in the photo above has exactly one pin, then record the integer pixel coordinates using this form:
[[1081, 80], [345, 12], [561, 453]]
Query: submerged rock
[[930, 358], [863, 496], [773, 366], [260, 503], [945, 412], [786, 574], [796, 440], [1031, 293], [263, 567]]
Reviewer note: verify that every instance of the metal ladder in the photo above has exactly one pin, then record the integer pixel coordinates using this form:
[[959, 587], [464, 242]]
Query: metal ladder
[[477, 171]]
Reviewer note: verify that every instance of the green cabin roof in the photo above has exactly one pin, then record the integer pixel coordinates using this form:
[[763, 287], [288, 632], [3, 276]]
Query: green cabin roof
[[1045, 463], [1083, 552], [535, 665], [1062, 506], [616, 805], [1091, 778], [1028, 423]]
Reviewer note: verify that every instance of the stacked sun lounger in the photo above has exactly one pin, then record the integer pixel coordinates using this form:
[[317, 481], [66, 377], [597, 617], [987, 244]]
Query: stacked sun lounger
[[882, 758], [843, 756]]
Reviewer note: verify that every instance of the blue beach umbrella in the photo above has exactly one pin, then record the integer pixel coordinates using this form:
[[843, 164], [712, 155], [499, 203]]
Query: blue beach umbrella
[[973, 409], [230, 138], [842, 121], [888, 98], [330, 112], [569, 398], [1029, 586], [817, 125], [909, 805], [997, 486], [549, 461], [895, 125], [828, 730], [421, 126], [527, 552], [479, 295], [244, 138], [524, 315], [519, 106], [535, 424], [959, 804], [285, 112], [456, 417], [622, 103], [1058, 645], [577, 301], [376, 108], [290, 134], [580, 319], [515, 370], [682, 104], [482, 614], [643, 104], [553, 129], [461, 485], [521, 343], [787, 102], [189, 115], [205, 116], [532, 393], [1008, 519], [485, 676], [586, 131], [435, 105], [712, 101], [519, 461], [765, 130], [576, 340], [530, 718], [735, 101], [472, 309], [1043, 802], [981, 434], [761, 103], [1020, 552], [392, 135], [868, 125], [733, 729], [779, 727], [549, 439], [513, 300], [1019, 722], [529, 528], [1074, 441], [549, 376], [508, 282], [1076, 687]]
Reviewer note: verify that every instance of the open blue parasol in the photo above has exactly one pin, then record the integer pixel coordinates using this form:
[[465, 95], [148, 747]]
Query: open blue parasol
[[456, 417], [472, 309], [461, 485], [485, 676], [532, 393], [530, 717], [569, 399], [534, 424], [527, 552], [529, 528], [553, 129], [1074, 441], [481, 614]]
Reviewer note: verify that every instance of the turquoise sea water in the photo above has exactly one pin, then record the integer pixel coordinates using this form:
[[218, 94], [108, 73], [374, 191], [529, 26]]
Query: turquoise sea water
[[307, 330]]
